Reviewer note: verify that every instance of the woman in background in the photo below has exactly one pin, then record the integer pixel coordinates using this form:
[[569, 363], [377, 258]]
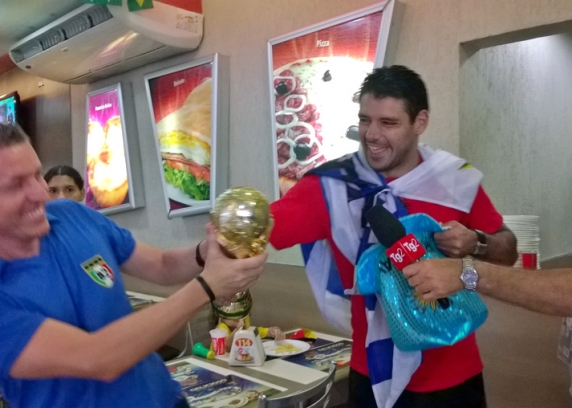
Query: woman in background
[[65, 182]]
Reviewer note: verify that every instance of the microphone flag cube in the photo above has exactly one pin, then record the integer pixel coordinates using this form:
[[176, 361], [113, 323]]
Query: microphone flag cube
[[405, 251]]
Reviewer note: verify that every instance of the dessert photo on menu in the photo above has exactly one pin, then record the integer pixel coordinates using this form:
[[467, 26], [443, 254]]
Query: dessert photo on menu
[[106, 182]]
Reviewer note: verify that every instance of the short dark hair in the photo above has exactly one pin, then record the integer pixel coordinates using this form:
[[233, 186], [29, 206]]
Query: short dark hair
[[397, 82], [63, 170], [12, 134]]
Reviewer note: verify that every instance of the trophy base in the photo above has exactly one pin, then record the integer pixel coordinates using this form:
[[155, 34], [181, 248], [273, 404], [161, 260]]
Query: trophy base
[[239, 307]]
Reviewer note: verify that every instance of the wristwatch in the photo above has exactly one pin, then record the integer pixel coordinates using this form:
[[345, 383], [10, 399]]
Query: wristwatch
[[481, 247], [469, 275]]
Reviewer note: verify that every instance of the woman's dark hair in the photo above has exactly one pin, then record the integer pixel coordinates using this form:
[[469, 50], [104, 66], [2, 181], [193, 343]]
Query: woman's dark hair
[[63, 170]]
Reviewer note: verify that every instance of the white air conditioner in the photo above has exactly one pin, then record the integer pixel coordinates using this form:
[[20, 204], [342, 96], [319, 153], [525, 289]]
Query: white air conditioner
[[94, 42]]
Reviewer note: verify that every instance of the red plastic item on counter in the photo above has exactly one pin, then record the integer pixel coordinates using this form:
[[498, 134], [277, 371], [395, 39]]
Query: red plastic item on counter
[[303, 334]]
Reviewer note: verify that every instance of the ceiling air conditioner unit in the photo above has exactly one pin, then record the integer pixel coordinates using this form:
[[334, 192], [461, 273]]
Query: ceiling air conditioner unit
[[94, 41]]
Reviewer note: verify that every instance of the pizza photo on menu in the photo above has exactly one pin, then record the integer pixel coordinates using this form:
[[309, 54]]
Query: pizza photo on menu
[[314, 77], [314, 108]]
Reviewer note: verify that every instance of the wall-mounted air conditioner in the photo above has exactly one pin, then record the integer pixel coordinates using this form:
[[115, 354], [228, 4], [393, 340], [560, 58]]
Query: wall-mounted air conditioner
[[94, 42]]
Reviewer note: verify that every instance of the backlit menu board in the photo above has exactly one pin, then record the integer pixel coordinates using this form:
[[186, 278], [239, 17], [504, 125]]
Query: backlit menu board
[[108, 185], [189, 120], [315, 75]]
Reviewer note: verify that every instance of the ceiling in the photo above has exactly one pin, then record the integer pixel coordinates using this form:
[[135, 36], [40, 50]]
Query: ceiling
[[20, 18]]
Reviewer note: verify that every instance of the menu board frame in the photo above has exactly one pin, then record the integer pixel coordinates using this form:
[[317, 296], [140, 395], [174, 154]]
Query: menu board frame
[[219, 128], [132, 200], [391, 14]]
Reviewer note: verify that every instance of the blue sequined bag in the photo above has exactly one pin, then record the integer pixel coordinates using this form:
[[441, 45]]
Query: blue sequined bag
[[415, 324]]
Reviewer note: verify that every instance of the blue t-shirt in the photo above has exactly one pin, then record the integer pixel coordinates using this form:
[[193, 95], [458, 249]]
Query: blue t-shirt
[[75, 279]]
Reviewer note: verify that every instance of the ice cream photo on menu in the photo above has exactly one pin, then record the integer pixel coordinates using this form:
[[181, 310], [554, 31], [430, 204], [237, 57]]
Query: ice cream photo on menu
[[107, 182]]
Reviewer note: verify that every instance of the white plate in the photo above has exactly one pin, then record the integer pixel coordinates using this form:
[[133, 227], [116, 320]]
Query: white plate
[[175, 194], [273, 349]]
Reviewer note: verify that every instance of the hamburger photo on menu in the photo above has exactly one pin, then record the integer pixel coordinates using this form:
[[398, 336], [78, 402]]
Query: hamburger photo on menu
[[185, 144]]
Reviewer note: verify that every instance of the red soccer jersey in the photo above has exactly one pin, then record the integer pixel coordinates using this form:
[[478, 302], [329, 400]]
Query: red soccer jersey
[[301, 216]]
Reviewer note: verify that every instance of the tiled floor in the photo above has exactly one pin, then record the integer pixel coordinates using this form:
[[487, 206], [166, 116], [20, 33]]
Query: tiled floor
[[518, 349]]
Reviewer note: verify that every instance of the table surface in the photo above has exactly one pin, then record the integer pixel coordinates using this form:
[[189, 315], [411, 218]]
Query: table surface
[[285, 375], [294, 368], [275, 376]]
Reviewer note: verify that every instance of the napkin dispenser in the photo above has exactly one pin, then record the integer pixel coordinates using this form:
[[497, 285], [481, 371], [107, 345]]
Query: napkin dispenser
[[247, 349]]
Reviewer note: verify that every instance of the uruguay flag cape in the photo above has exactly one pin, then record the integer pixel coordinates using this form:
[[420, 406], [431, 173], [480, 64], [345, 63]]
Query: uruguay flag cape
[[350, 188]]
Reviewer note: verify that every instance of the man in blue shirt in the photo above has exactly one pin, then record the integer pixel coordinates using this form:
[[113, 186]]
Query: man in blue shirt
[[68, 337]]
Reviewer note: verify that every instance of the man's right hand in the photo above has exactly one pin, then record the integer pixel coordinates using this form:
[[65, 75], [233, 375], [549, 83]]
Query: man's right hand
[[435, 278], [227, 276]]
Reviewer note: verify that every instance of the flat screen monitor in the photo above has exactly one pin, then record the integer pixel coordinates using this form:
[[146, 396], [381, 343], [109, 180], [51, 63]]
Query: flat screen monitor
[[9, 108]]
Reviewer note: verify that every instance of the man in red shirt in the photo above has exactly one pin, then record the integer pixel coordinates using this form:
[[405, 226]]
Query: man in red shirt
[[324, 212]]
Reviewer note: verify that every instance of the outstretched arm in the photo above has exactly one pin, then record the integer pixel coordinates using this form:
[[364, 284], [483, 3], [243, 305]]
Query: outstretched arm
[[164, 267], [58, 349], [548, 291]]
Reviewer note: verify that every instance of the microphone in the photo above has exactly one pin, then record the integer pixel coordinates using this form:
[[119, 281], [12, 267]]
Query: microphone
[[402, 249]]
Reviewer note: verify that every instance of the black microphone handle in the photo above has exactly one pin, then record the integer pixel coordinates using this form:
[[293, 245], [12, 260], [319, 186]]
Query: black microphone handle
[[384, 225]]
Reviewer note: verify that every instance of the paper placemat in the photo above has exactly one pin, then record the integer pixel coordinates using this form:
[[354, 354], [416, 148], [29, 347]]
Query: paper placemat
[[206, 386], [290, 371], [226, 372]]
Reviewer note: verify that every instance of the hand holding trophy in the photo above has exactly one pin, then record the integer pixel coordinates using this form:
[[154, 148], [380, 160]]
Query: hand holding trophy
[[242, 220]]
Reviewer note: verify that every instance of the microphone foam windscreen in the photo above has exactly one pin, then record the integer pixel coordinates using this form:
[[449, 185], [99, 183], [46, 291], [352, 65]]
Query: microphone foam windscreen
[[384, 225]]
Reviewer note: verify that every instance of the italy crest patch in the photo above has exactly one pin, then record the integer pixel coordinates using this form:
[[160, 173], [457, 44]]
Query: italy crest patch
[[99, 271]]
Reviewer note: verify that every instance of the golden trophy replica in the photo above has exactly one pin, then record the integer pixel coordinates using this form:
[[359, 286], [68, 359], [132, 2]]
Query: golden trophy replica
[[242, 220]]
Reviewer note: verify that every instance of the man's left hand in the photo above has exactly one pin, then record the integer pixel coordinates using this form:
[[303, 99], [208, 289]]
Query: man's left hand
[[457, 241]]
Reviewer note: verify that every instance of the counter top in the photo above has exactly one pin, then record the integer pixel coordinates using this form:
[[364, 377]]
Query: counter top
[[286, 375]]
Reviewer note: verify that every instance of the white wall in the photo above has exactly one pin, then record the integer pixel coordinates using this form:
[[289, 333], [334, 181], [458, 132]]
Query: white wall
[[516, 126]]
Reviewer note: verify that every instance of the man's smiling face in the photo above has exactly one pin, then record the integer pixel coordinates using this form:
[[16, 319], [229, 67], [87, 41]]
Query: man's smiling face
[[23, 194], [388, 136]]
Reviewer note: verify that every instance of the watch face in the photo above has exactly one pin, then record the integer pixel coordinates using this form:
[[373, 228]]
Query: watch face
[[469, 277]]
